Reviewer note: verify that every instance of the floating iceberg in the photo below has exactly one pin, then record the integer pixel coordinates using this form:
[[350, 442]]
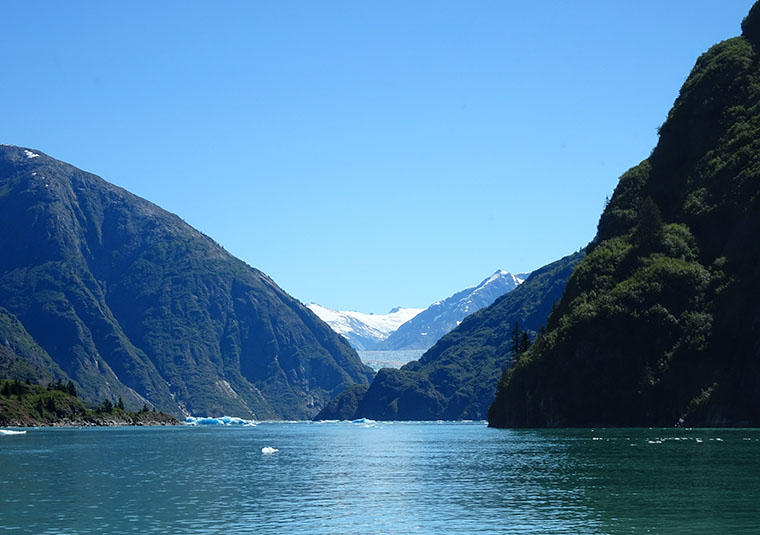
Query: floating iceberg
[[223, 420], [363, 421], [268, 450], [9, 432]]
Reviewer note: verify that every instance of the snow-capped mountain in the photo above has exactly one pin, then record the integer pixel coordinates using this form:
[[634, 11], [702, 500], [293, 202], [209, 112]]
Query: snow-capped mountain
[[427, 327], [364, 331]]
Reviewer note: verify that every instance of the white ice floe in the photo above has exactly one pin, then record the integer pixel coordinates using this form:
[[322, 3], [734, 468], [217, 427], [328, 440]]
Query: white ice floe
[[223, 420], [30, 154], [9, 432], [268, 450], [363, 421]]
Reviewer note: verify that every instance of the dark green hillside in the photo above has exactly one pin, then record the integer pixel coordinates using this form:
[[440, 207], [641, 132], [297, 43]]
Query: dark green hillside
[[345, 405], [660, 324], [130, 301], [29, 405], [456, 378], [20, 356]]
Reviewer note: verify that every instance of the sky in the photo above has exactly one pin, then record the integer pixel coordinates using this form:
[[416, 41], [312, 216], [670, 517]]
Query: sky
[[364, 154]]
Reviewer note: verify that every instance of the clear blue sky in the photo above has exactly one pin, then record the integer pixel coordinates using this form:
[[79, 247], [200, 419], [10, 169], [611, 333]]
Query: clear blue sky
[[363, 154]]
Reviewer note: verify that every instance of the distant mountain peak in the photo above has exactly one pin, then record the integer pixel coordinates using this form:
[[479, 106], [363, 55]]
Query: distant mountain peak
[[457, 378], [364, 331], [498, 275], [429, 326], [415, 328]]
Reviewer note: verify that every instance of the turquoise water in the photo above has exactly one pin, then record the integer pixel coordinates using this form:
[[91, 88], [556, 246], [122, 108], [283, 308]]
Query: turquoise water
[[367, 478]]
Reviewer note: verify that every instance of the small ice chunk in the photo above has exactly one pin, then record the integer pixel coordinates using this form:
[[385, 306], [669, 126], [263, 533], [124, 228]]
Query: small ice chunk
[[363, 421], [223, 421], [268, 450]]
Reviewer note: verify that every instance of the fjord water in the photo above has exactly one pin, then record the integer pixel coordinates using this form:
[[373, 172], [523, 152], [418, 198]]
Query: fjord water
[[379, 478]]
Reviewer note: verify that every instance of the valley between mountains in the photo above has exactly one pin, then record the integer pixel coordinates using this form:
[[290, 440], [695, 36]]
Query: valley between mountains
[[654, 322]]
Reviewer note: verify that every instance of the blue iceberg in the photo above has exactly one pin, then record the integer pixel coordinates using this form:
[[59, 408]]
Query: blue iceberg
[[222, 420]]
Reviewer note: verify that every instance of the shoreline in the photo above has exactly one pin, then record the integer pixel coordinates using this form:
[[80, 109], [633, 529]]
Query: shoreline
[[165, 421]]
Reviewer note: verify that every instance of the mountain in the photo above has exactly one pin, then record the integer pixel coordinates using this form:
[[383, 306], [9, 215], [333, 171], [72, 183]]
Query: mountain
[[364, 331], [415, 328], [427, 327], [127, 300], [660, 324], [456, 379], [20, 356]]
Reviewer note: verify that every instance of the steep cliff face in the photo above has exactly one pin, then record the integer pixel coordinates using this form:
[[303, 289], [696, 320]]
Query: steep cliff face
[[660, 324], [130, 301], [456, 379]]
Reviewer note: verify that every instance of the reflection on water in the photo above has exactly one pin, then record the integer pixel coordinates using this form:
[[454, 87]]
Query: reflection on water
[[383, 478]]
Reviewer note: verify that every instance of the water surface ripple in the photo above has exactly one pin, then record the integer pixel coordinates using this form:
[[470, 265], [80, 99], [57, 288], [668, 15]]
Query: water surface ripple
[[379, 478]]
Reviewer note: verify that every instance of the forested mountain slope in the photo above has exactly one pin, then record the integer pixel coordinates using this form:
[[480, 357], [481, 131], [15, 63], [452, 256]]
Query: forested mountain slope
[[456, 378], [660, 324]]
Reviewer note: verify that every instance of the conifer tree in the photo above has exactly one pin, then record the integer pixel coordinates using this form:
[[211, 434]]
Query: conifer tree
[[520, 340], [650, 224], [515, 337]]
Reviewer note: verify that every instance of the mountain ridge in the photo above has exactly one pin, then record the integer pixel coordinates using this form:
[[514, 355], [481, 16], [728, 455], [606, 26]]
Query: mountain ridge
[[659, 324], [415, 328], [426, 328], [131, 301], [364, 331], [457, 378]]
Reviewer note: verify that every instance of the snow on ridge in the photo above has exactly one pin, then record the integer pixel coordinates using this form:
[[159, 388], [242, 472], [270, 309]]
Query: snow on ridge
[[370, 331], [500, 277], [386, 322], [30, 154], [500, 274], [378, 326]]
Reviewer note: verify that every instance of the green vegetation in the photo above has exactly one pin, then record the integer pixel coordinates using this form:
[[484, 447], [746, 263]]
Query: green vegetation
[[345, 405], [29, 405], [456, 378], [20, 356], [127, 301], [658, 325]]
